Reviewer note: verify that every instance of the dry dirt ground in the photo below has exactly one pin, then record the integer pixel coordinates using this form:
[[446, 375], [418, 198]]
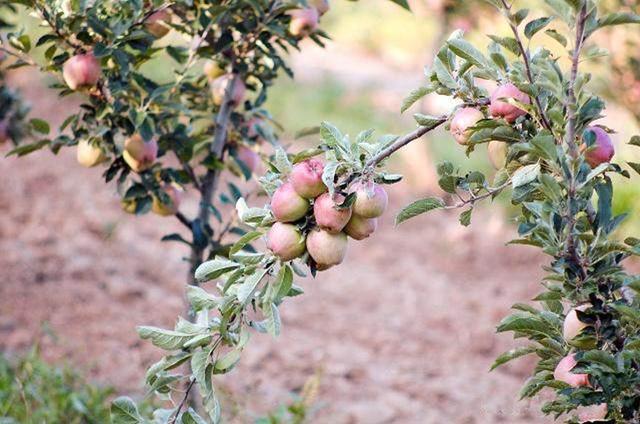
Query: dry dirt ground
[[403, 332]]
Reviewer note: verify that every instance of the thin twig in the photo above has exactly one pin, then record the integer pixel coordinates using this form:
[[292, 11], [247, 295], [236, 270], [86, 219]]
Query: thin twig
[[184, 220], [182, 402], [527, 64], [404, 140], [473, 199]]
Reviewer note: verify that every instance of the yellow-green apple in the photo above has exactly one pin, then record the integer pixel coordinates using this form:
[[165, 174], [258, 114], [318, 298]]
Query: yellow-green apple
[[287, 205], [328, 215], [139, 154], [501, 108], [89, 155], [462, 120], [158, 23], [303, 21], [285, 241], [601, 151], [563, 372], [359, 228], [129, 205], [327, 249], [219, 88], [306, 178], [371, 200], [572, 325], [81, 70], [213, 70], [174, 193], [497, 153]]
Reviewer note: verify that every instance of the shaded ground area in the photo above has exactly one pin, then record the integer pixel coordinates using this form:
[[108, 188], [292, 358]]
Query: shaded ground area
[[404, 332]]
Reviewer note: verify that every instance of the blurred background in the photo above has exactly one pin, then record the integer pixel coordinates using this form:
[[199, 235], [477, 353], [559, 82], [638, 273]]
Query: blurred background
[[402, 333]]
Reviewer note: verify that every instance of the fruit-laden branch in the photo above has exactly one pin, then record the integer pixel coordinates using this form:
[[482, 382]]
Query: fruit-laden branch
[[400, 142], [527, 65]]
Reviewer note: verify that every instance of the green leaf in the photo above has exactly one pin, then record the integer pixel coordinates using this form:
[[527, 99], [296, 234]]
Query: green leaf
[[330, 135], [427, 120], [465, 217], [214, 268], [414, 96], [227, 362], [402, 3], [556, 36], [536, 25], [618, 18], [40, 125], [635, 140], [25, 149], [199, 299], [246, 289], [165, 339], [273, 319], [244, 240], [512, 354], [418, 207], [467, 51], [525, 175], [191, 417], [125, 411]]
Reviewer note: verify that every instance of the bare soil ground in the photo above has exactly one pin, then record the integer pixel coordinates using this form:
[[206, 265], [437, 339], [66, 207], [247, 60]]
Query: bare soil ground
[[403, 332]]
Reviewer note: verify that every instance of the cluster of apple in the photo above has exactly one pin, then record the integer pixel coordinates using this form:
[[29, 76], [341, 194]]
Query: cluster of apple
[[83, 71], [465, 119], [310, 219], [572, 327]]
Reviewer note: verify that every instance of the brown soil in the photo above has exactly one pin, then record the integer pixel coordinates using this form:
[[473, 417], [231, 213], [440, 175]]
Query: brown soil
[[403, 332]]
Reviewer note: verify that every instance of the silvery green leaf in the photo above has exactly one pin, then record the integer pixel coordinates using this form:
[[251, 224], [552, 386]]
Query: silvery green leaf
[[328, 175], [281, 161], [165, 339], [331, 135], [414, 96], [247, 288], [199, 362], [525, 175], [443, 74], [227, 362], [199, 299], [191, 417], [125, 411], [467, 51], [426, 120], [273, 319], [250, 215], [214, 268], [248, 258]]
